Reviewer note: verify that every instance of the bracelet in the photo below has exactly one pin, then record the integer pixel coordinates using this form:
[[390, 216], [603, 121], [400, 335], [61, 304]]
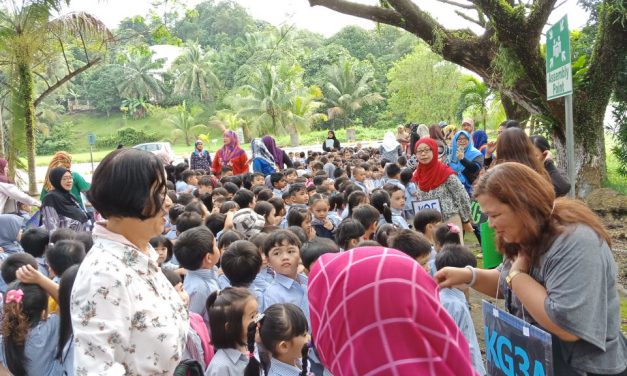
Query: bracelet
[[474, 276]]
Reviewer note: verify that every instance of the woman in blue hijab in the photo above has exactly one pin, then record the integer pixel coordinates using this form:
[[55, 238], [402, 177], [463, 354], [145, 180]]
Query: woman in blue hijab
[[465, 160]]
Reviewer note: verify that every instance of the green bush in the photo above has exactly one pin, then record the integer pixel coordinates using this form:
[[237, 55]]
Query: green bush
[[127, 137], [59, 138]]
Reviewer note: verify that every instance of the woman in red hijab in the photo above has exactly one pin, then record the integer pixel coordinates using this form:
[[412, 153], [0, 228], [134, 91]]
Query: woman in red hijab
[[375, 311], [439, 187], [230, 155]]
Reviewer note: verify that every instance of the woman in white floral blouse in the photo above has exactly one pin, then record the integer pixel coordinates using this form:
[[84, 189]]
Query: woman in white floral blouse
[[127, 318]]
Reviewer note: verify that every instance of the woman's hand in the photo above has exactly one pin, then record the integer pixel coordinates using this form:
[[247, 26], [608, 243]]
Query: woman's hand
[[460, 154], [490, 148], [453, 277], [468, 227], [547, 156]]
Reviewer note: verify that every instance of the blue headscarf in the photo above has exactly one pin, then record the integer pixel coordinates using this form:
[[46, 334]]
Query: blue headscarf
[[470, 153], [479, 138]]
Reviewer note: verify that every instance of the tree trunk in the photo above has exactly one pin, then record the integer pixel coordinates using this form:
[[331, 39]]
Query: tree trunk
[[294, 138], [513, 110], [2, 151], [27, 116]]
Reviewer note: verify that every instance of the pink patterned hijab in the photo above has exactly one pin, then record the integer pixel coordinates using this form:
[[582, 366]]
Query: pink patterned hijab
[[232, 150], [375, 311]]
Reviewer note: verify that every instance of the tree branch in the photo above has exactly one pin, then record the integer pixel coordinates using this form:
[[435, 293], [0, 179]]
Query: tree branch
[[455, 3], [42, 77], [468, 18], [369, 12], [65, 79], [540, 11]]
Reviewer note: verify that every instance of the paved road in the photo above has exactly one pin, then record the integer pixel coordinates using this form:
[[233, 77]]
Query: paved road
[[85, 169]]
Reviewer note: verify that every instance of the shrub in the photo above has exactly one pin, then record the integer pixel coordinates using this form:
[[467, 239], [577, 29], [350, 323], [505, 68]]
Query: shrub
[[59, 138], [127, 137]]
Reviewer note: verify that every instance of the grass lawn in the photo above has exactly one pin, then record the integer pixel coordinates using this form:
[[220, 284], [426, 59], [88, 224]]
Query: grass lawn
[[623, 315], [614, 180]]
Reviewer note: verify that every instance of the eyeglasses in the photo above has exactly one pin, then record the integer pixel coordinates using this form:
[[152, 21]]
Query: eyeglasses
[[421, 151], [462, 141], [67, 178]]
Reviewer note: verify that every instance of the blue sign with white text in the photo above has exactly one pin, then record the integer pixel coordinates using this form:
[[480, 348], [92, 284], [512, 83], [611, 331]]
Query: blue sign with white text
[[515, 347]]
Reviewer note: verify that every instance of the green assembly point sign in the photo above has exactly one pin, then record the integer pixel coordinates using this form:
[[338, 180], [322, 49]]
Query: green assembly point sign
[[559, 80]]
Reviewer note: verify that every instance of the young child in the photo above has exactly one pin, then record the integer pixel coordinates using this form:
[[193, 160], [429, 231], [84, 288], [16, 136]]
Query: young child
[[233, 319], [163, 246], [411, 192], [198, 345], [319, 207], [302, 218], [259, 180], [188, 182], [241, 263], [368, 216], [349, 233], [359, 178], [393, 175], [62, 255], [454, 300], [173, 214], [266, 274], [425, 222], [444, 234], [278, 183], [29, 336], [384, 232], [283, 331], [413, 244], [9, 268], [397, 205], [355, 199], [290, 175], [35, 241], [186, 221], [282, 248], [197, 252], [380, 200], [336, 206], [312, 250]]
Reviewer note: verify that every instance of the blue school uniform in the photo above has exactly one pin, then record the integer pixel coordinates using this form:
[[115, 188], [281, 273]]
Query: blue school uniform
[[410, 195], [224, 282], [398, 219], [334, 218], [395, 182], [40, 349], [454, 301], [278, 368], [264, 278], [286, 290], [322, 231], [199, 284], [277, 192], [362, 186]]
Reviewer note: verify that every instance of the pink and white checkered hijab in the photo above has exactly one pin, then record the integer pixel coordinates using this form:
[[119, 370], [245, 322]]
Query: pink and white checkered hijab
[[375, 311]]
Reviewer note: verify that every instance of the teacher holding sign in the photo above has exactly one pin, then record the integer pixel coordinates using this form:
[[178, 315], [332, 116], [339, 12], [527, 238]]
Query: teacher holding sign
[[439, 187], [331, 143], [558, 273]]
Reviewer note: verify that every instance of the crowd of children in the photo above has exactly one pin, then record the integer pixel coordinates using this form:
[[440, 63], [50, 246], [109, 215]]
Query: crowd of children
[[238, 250]]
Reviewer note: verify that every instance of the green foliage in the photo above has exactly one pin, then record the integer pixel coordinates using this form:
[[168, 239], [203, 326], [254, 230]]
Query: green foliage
[[620, 148], [59, 138], [184, 122], [423, 88], [347, 91], [508, 67], [474, 97], [137, 78], [128, 137], [194, 77]]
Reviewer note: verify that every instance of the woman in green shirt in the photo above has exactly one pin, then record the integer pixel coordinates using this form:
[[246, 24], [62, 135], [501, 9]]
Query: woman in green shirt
[[63, 159]]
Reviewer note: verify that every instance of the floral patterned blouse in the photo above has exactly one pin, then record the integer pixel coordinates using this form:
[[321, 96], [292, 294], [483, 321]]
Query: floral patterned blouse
[[127, 317]]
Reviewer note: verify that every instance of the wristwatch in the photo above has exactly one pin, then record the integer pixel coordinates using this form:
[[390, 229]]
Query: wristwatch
[[510, 277]]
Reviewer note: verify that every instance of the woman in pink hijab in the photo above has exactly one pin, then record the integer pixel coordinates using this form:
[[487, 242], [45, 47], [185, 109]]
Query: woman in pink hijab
[[375, 311], [230, 155]]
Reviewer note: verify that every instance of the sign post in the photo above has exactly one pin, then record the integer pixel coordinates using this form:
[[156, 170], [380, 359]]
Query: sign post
[[91, 140], [559, 83]]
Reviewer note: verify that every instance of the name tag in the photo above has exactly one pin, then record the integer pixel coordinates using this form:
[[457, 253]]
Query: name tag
[[427, 204]]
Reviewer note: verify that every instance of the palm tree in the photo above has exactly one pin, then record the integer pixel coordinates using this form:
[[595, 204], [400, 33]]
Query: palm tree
[[475, 96], [185, 123], [346, 92], [301, 112], [266, 100], [194, 76], [138, 78], [28, 37]]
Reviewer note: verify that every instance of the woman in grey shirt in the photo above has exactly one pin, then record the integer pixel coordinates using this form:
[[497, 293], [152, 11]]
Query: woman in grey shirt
[[558, 273]]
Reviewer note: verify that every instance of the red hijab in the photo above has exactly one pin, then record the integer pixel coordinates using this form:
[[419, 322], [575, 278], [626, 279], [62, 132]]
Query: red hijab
[[431, 175], [376, 311]]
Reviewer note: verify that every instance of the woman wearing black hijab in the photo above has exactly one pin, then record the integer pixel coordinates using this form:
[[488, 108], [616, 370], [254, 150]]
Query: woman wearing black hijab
[[331, 143], [59, 209]]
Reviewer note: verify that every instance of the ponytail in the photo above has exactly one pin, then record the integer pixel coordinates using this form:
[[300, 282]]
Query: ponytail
[[387, 213], [253, 368], [23, 306], [305, 359]]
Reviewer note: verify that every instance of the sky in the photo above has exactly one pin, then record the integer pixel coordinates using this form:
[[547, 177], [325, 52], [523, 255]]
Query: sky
[[298, 12]]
